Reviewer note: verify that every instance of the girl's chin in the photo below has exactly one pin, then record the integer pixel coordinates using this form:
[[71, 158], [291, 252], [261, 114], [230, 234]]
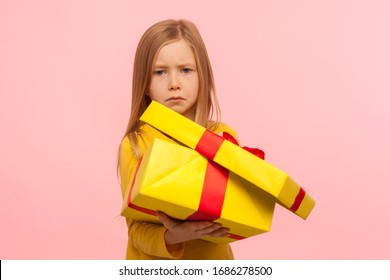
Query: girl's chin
[[182, 109]]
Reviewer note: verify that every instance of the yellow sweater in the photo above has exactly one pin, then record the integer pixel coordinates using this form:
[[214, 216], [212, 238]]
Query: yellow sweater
[[146, 240]]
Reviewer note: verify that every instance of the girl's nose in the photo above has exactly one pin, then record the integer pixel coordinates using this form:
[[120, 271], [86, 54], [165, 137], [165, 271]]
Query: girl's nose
[[174, 83]]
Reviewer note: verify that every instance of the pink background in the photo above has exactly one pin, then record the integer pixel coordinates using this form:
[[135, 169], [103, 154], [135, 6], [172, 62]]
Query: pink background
[[307, 81]]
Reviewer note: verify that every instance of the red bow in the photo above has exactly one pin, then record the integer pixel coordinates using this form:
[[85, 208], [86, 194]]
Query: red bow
[[257, 152]]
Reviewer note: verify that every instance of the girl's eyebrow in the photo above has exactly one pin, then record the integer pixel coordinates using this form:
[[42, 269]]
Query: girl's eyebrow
[[186, 64]]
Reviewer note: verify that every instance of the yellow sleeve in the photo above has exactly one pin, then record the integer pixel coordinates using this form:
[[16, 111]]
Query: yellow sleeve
[[127, 162], [144, 238], [148, 238]]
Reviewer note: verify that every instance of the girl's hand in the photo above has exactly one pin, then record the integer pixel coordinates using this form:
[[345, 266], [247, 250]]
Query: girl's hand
[[184, 231]]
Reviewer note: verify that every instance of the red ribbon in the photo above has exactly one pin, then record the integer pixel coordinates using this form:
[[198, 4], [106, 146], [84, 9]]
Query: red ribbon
[[213, 193], [298, 200], [209, 144]]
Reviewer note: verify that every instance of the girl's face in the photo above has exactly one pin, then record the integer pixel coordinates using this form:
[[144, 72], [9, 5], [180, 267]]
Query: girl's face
[[175, 79]]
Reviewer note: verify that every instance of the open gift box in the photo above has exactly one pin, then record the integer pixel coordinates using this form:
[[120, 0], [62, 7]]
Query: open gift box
[[236, 159], [185, 185]]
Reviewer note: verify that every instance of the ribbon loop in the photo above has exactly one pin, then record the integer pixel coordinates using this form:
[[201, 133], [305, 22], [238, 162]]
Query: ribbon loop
[[255, 151]]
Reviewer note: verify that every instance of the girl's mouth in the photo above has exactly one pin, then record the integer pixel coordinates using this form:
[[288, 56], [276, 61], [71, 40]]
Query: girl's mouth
[[175, 98]]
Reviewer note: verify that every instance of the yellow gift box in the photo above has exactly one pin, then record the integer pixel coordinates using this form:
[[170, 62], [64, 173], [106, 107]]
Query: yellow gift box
[[254, 169], [187, 186]]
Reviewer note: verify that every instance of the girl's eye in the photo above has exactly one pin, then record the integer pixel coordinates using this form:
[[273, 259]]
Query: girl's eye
[[186, 70], [158, 72]]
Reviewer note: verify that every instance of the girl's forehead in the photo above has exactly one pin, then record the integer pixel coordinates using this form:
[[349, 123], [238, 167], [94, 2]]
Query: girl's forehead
[[175, 51]]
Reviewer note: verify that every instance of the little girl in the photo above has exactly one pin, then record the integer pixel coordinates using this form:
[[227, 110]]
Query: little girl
[[171, 67]]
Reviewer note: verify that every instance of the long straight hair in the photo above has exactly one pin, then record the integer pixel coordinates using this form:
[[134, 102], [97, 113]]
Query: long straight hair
[[156, 37]]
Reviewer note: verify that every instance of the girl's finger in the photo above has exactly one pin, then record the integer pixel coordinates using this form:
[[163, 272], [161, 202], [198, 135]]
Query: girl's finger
[[166, 221], [209, 229], [201, 225], [221, 232]]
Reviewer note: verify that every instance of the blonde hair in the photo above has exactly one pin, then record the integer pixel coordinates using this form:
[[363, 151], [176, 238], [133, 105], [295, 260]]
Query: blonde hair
[[156, 37]]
